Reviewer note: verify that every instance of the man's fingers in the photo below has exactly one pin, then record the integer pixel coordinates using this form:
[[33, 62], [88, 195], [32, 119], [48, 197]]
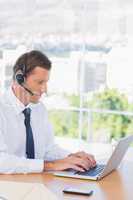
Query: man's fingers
[[84, 163], [77, 168], [84, 155], [92, 159]]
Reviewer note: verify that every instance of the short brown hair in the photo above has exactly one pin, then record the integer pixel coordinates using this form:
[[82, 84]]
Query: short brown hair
[[31, 60]]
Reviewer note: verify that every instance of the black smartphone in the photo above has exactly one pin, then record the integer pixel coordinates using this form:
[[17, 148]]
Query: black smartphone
[[76, 190]]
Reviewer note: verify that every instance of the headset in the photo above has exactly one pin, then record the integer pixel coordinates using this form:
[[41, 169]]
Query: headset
[[20, 78]]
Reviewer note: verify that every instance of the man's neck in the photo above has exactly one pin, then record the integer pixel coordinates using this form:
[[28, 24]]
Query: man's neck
[[20, 93]]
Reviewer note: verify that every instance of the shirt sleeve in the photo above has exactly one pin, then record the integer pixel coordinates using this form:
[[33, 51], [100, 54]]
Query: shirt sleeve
[[53, 150], [12, 164]]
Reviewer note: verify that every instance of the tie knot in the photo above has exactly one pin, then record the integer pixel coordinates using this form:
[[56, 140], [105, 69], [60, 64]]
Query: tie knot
[[27, 112]]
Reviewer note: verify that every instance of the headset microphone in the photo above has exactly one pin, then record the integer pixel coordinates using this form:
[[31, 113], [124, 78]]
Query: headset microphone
[[21, 79], [30, 92]]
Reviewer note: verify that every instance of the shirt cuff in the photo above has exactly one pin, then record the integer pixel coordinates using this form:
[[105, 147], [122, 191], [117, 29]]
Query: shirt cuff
[[35, 165]]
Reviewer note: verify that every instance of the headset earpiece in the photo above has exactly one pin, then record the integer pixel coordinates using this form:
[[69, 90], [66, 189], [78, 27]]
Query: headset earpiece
[[20, 78], [20, 75]]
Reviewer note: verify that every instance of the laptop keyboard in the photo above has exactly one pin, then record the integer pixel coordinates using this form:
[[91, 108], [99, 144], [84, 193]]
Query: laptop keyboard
[[92, 172]]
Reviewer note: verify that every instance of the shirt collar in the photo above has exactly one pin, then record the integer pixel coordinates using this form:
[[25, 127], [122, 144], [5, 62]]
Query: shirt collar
[[16, 103]]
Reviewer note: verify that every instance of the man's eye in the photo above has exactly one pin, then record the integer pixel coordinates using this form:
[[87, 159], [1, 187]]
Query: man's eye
[[41, 82]]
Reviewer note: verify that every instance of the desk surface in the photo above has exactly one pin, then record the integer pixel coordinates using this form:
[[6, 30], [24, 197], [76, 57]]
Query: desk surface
[[118, 185]]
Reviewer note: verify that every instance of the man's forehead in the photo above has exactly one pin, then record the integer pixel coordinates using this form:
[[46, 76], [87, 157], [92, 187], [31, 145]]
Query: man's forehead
[[40, 74], [39, 69]]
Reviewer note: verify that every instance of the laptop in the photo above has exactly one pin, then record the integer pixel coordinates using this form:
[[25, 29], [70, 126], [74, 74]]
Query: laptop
[[102, 170]]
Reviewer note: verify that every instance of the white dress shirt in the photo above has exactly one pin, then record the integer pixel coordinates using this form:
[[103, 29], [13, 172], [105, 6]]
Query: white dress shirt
[[13, 137]]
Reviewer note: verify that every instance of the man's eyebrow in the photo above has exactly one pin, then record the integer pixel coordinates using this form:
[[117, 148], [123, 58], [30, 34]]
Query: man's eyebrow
[[40, 80]]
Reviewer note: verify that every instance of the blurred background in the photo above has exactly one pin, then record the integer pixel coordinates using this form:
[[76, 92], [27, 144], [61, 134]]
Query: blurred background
[[90, 44]]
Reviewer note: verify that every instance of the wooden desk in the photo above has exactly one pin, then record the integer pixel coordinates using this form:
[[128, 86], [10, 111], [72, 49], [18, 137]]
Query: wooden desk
[[116, 186]]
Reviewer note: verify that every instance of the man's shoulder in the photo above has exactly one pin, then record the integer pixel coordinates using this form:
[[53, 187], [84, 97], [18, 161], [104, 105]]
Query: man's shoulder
[[3, 99], [5, 96], [3, 104]]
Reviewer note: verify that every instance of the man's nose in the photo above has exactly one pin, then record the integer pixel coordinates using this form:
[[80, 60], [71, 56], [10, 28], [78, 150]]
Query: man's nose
[[44, 88]]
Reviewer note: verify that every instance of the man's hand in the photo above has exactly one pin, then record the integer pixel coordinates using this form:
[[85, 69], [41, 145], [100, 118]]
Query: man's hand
[[79, 161]]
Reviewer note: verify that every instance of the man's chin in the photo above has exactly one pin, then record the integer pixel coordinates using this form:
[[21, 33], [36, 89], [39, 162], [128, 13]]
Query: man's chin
[[35, 100]]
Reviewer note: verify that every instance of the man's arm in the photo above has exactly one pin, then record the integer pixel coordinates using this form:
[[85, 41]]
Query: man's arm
[[11, 164], [57, 158]]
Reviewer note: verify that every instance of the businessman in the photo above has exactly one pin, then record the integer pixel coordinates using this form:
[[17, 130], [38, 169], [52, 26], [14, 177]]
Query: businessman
[[26, 136]]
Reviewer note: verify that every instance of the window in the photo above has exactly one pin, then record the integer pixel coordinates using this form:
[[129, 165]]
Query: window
[[90, 45]]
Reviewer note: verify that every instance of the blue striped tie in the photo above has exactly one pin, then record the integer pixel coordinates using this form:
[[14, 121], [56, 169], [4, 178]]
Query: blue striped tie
[[29, 135]]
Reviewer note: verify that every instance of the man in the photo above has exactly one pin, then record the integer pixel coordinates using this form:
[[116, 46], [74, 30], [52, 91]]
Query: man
[[26, 137]]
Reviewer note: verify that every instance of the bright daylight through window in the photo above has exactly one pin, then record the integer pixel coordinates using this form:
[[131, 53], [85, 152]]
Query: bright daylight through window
[[90, 42]]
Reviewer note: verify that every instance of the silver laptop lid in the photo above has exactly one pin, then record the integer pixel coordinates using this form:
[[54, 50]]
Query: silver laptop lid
[[117, 155]]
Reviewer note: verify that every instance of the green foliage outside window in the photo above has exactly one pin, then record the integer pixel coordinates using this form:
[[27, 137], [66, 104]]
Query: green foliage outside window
[[116, 125], [65, 123]]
